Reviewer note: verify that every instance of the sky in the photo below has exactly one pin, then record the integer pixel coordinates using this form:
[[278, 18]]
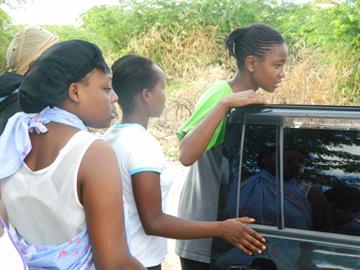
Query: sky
[[61, 12], [40, 12]]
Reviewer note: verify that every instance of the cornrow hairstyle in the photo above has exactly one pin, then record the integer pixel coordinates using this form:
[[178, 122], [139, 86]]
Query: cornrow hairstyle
[[256, 40], [131, 75]]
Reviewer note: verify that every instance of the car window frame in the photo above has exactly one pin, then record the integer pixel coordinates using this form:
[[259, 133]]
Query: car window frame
[[274, 115]]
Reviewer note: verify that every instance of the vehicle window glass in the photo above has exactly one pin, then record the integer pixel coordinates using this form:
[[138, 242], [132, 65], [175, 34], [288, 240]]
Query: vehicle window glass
[[323, 158], [250, 205], [251, 178], [321, 171]]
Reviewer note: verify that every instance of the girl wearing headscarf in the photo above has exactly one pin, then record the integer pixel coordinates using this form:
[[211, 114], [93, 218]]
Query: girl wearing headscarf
[[60, 184]]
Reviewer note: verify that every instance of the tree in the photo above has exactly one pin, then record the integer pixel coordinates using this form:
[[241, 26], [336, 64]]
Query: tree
[[6, 32]]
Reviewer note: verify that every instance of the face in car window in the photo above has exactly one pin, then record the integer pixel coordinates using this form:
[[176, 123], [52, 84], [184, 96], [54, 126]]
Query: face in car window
[[293, 163]]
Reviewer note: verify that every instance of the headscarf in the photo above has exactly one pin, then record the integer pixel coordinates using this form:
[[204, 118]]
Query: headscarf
[[27, 46], [48, 81]]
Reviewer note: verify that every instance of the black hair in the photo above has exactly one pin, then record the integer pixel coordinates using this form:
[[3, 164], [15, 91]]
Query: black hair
[[131, 75], [256, 40]]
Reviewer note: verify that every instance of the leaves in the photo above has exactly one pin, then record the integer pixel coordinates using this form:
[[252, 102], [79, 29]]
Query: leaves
[[317, 25], [6, 32]]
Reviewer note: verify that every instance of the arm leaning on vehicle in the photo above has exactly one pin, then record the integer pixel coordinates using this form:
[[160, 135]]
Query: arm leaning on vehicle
[[196, 142]]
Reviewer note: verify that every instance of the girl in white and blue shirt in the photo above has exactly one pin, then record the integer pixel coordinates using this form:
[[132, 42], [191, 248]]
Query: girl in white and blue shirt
[[140, 85]]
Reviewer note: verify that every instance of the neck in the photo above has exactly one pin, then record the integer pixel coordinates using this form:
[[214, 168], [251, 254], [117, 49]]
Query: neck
[[242, 81], [134, 118]]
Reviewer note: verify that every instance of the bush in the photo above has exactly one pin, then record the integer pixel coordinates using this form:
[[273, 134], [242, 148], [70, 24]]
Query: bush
[[7, 30]]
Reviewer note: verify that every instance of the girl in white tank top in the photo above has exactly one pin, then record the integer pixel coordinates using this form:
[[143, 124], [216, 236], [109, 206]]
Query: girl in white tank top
[[68, 215]]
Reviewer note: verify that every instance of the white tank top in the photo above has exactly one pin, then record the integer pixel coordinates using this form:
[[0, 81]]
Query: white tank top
[[43, 205], [10, 257]]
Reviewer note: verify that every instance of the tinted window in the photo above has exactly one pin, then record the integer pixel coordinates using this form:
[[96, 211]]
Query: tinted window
[[321, 187], [330, 173]]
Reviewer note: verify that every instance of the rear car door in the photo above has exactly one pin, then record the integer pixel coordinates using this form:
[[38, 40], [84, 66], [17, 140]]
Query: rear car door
[[296, 170]]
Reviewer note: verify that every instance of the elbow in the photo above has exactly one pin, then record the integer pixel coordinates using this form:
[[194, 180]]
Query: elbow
[[151, 228], [185, 160], [149, 231], [186, 157]]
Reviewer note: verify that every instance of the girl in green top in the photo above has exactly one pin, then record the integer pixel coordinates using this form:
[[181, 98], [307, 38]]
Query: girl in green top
[[260, 53]]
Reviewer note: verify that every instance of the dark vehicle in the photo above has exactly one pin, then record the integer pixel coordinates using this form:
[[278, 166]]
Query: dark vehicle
[[296, 170]]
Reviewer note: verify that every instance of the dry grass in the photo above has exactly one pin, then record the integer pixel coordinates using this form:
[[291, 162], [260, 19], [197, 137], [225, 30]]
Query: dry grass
[[180, 55], [194, 60], [311, 81]]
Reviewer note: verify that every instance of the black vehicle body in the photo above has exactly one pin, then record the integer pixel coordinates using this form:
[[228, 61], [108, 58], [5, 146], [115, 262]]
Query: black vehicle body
[[296, 170]]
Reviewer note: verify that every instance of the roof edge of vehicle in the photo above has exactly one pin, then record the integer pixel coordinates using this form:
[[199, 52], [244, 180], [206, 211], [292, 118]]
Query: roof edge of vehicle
[[281, 110]]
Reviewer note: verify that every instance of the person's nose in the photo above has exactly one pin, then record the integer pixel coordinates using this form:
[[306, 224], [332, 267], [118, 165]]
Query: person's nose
[[115, 97], [282, 73]]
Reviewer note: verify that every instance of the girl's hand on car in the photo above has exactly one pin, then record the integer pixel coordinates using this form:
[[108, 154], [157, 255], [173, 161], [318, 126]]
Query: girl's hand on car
[[242, 98], [236, 232]]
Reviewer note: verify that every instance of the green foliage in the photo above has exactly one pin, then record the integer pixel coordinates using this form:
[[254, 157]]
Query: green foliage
[[67, 32], [111, 27], [115, 26], [326, 25], [318, 24], [340, 32], [332, 27], [6, 32]]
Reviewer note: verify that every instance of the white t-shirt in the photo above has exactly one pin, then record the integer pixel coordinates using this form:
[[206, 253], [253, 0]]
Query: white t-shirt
[[137, 151]]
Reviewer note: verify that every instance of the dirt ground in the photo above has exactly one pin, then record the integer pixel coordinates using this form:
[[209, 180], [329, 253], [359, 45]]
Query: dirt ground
[[177, 172]]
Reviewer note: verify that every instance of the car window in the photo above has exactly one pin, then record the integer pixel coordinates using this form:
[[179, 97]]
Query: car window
[[321, 185], [329, 175]]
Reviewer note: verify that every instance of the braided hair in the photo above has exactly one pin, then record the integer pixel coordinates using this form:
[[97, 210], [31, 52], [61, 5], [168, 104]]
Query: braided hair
[[256, 40]]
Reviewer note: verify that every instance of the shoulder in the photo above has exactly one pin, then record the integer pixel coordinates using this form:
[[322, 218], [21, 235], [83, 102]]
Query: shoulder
[[129, 136], [134, 146], [125, 133], [99, 165], [99, 148], [250, 180], [213, 94], [98, 156], [217, 88], [145, 144]]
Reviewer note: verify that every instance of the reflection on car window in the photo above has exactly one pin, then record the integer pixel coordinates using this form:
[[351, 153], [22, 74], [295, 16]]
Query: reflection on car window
[[331, 176], [321, 179], [321, 172]]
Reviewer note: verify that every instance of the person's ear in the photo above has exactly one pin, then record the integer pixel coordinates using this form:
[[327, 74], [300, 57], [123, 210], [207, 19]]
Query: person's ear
[[250, 63], [145, 95], [73, 92]]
